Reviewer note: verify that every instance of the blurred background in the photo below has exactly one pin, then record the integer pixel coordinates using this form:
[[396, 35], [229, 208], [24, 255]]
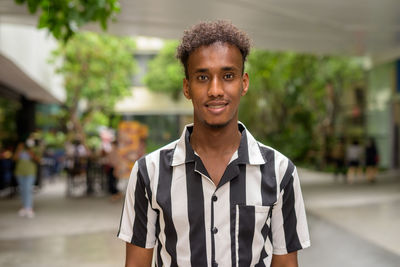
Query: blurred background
[[88, 87]]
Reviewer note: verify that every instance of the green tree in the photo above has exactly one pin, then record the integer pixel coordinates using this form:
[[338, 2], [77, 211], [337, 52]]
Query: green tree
[[165, 73], [97, 70], [64, 17], [8, 125], [293, 98]]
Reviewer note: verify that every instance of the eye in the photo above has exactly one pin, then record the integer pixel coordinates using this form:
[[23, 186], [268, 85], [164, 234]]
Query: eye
[[228, 76], [202, 77]]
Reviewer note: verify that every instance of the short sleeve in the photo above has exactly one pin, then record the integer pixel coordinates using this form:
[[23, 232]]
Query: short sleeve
[[138, 219], [289, 223]]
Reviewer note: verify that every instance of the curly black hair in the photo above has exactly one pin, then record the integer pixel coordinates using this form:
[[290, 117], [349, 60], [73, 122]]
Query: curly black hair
[[207, 33]]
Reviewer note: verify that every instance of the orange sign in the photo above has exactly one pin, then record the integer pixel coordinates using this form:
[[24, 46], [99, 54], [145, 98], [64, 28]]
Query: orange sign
[[132, 137]]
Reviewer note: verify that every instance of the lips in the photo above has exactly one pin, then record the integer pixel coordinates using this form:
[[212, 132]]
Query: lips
[[216, 104], [216, 107]]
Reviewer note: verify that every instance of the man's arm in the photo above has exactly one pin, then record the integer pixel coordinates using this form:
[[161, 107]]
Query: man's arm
[[137, 256], [287, 260]]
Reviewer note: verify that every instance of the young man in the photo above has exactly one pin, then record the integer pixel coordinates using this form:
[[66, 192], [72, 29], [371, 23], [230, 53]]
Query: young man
[[215, 197]]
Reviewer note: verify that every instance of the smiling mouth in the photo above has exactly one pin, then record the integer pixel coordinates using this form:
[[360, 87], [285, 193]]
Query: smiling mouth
[[216, 106]]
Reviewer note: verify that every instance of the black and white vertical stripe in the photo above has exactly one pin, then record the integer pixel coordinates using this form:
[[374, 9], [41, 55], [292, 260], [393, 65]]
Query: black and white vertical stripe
[[257, 209]]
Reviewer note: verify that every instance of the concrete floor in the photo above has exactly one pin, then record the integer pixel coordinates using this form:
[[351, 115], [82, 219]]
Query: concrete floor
[[78, 231], [350, 225]]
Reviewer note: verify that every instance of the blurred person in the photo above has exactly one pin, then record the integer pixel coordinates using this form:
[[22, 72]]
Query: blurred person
[[6, 168], [48, 164], [216, 196], [371, 160], [354, 157], [338, 157], [93, 170], [25, 171], [37, 146], [59, 157], [112, 162], [76, 157]]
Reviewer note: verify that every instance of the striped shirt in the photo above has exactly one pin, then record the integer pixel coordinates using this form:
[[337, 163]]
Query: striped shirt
[[255, 211]]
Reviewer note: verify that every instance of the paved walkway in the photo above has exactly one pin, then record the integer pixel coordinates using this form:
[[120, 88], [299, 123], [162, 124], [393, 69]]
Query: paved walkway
[[350, 225], [77, 231]]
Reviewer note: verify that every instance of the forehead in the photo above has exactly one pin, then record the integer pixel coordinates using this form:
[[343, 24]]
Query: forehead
[[216, 55]]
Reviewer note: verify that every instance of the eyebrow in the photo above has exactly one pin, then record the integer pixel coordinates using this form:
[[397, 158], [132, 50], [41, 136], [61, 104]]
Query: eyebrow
[[229, 68], [203, 70]]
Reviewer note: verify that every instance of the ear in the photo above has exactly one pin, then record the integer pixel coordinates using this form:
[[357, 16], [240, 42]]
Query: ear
[[245, 84], [186, 92]]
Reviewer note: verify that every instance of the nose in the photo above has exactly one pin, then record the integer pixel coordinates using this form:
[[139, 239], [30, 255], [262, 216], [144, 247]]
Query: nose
[[216, 88]]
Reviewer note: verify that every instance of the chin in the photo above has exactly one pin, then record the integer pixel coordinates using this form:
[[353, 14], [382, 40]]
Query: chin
[[216, 125]]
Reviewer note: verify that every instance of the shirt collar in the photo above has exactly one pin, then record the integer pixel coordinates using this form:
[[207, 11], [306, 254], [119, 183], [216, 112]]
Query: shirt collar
[[248, 151]]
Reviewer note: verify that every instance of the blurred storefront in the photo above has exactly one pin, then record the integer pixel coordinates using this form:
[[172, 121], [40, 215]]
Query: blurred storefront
[[325, 27], [164, 116], [26, 79], [383, 111]]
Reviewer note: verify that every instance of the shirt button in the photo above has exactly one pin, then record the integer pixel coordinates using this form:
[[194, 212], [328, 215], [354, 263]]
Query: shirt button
[[215, 230], [214, 198]]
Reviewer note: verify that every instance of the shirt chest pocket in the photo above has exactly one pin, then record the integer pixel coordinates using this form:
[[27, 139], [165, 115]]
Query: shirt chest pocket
[[251, 230]]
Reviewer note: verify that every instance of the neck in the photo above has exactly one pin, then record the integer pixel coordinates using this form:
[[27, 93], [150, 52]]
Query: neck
[[215, 140]]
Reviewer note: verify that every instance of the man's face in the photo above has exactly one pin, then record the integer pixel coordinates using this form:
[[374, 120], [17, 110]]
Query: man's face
[[215, 84]]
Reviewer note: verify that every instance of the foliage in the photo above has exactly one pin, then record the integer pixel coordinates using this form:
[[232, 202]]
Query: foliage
[[290, 104], [94, 143], [293, 100], [54, 139], [98, 118], [114, 120], [97, 70], [64, 17], [8, 113], [165, 73], [49, 117]]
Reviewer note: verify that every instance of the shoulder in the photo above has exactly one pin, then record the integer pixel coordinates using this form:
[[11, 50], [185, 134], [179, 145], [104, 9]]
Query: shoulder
[[259, 152], [151, 161], [284, 168], [271, 154], [155, 155], [148, 166]]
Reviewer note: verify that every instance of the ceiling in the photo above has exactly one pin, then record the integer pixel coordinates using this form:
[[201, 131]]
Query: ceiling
[[351, 27], [11, 76]]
